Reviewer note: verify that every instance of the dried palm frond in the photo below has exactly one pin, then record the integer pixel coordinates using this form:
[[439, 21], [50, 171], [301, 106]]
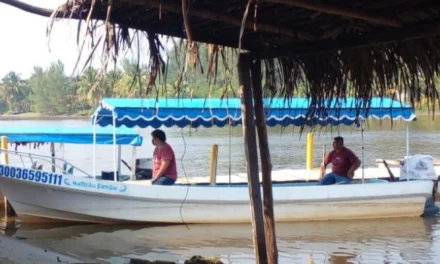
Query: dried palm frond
[[406, 66]]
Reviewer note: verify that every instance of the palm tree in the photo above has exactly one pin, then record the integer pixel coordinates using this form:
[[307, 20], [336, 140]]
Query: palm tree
[[89, 90], [14, 91], [132, 80]]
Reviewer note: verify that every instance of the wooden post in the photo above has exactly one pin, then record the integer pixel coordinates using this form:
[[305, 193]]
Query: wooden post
[[309, 155], [266, 164], [5, 160], [9, 211], [250, 147], [4, 145], [213, 166]]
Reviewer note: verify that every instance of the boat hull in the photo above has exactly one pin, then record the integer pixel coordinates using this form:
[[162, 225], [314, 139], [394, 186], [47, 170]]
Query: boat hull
[[99, 201], [221, 214]]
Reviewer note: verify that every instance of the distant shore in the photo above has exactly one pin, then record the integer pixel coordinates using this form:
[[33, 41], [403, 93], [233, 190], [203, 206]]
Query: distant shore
[[38, 116]]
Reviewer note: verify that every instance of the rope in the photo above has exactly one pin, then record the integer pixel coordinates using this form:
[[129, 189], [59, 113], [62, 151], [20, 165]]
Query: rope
[[186, 176]]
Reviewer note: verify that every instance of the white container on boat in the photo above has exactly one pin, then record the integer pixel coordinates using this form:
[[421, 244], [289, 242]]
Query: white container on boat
[[420, 167]]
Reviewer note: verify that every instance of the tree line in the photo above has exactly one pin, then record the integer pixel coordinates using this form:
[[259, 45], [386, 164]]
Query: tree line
[[51, 91]]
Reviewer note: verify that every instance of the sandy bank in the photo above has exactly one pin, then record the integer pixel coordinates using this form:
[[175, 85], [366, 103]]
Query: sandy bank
[[17, 251]]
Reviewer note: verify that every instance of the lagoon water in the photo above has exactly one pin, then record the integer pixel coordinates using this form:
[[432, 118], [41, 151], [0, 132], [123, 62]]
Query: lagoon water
[[408, 240]]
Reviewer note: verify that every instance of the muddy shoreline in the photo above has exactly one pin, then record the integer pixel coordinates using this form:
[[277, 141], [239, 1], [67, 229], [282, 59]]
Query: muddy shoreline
[[13, 250], [17, 251]]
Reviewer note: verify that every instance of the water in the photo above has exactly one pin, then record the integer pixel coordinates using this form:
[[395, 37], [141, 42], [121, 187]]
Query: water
[[287, 147], [407, 240]]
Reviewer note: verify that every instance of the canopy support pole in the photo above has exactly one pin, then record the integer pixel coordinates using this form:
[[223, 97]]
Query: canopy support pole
[[52, 154], [407, 151], [266, 164], [362, 151], [115, 169], [230, 158], [133, 167], [94, 145], [250, 147], [119, 158]]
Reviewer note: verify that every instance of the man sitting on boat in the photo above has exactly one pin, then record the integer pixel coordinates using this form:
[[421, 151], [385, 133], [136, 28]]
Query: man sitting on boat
[[344, 164], [164, 161]]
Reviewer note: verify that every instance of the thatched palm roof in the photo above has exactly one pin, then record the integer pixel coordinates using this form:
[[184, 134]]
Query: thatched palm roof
[[371, 45]]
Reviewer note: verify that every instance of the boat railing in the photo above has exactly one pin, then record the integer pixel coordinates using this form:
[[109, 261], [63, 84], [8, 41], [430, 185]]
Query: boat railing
[[37, 161]]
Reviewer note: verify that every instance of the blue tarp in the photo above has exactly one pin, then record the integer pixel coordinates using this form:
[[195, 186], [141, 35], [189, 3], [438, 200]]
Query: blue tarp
[[219, 112], [71, 135]]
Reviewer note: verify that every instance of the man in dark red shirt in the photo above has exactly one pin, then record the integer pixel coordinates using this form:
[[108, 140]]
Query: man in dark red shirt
[[344, 164], [164, 161]]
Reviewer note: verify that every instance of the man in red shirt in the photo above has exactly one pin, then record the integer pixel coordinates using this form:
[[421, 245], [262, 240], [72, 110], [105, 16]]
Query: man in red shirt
[[164, 161], [344, 164]]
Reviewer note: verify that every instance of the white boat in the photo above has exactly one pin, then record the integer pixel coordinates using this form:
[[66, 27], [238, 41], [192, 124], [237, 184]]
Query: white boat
[[65, 197], [91, 199]]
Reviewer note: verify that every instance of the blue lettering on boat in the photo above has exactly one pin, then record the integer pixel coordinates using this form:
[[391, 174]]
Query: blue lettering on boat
[[109, 187], [31, 175], [84, 184], [98, 186]]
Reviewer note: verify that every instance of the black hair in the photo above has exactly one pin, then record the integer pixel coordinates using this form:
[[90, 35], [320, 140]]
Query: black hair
[[339, 138], [159, 134]]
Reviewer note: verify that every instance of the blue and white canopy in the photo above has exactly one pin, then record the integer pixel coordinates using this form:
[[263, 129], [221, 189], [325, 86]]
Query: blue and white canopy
[[220, 112], [71, 135]]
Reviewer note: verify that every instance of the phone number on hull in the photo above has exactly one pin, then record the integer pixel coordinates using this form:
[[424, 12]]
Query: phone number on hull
[[31, 175]]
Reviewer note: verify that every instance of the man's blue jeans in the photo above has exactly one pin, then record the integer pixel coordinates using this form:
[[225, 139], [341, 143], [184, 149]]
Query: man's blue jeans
[[164, 180], [332, 178]]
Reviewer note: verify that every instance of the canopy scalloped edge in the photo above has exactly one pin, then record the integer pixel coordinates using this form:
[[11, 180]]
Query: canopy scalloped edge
[[271, 121], [214, 112]]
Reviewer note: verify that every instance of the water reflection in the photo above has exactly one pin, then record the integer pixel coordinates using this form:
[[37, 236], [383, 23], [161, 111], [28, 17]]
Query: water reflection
[[364, 241]]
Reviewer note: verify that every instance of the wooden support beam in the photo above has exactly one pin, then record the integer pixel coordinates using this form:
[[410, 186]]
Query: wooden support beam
[[164, 30], [385, 37], [28, 8], [266, 164], [347, 12], [250, 147], [38, 10], [219, 17], [204, 14]]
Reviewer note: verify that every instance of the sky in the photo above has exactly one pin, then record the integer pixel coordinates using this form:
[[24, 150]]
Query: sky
[[24, 44]]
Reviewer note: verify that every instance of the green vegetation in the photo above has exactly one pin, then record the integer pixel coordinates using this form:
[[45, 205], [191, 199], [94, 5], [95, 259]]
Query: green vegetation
[[50, 91]]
